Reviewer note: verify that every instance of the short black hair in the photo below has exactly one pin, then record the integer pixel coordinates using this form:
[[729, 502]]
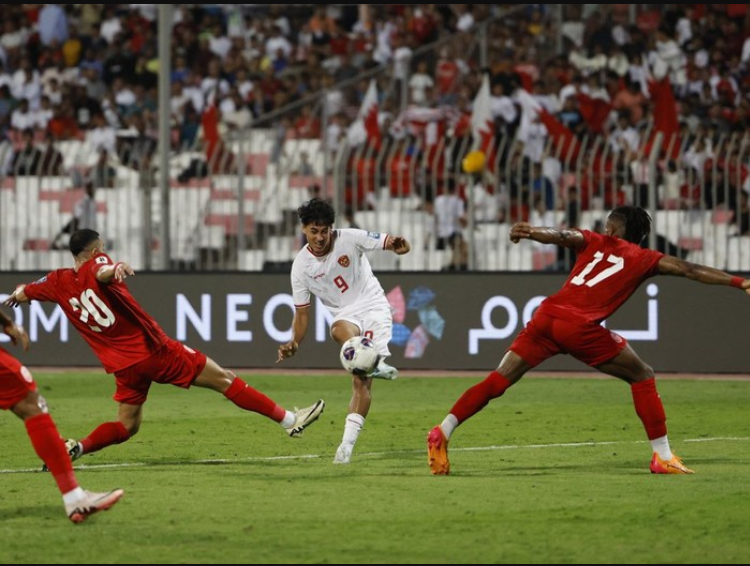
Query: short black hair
[[636, 220], [82, 239], [316, 211]]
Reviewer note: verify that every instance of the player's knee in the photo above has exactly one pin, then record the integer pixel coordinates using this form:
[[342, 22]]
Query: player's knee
[[648, 371]]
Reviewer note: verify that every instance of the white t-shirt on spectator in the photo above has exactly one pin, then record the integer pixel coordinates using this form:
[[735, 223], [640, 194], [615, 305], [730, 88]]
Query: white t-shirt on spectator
[[110, 28], [274, 43], [503, 107], [102, 138], [419, 83], [220, 45], [22, 120]]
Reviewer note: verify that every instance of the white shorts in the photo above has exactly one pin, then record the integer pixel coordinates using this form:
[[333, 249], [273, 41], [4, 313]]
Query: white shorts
[[375, 322]]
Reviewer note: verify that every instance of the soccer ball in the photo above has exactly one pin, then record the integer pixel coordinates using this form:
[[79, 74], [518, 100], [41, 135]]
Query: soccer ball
[[359, 355]]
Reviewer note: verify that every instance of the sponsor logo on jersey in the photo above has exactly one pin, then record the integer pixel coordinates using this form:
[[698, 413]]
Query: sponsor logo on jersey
[[344, 261], [102, 259], [374, 235]]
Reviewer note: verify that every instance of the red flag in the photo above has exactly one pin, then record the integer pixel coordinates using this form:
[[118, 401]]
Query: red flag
[[594, 110], [665, 117], [565, 142], [210, 123]]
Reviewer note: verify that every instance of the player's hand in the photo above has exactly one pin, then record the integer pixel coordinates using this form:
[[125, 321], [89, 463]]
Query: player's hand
[[17, 335], [400, 245], [520, 231], [12, 300], [287, 350], [122, 271], [746, 286]]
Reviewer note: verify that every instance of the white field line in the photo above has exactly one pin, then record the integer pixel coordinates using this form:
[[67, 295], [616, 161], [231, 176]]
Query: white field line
[[359, 455]]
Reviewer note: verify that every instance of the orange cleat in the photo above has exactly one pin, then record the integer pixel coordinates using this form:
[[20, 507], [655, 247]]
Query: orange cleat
[[437, 452], [673, 466]]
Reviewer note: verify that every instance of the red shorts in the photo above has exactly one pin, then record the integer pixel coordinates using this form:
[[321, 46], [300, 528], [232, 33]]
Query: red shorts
[[546, 336], [15, 381], [174, 363]]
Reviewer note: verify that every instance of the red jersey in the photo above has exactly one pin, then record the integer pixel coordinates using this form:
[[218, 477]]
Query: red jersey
[[106, 315], [607, 272]]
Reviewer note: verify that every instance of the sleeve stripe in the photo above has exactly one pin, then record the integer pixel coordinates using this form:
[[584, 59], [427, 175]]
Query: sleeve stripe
[[302, 306], [385, 241]]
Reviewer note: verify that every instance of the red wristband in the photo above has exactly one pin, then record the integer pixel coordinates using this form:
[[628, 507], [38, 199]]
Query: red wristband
[[737, 282]]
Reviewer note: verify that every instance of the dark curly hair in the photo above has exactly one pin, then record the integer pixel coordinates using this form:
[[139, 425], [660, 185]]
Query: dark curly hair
[[316, 211], [636, 220]]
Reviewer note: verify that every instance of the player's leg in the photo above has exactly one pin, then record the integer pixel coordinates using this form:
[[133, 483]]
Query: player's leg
[[377, 324], [213, 376], [359, 404], [628, 366], [531, 347], [511, 369], [128, 423], [131, 392], [49, 446]]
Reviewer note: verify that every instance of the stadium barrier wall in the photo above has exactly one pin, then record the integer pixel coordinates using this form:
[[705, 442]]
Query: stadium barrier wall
[[442, 321]]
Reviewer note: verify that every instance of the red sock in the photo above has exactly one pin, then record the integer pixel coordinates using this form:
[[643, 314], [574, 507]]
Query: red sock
[[649, 409], [106, 434], [51, 449], [245, 397], [475, 398]]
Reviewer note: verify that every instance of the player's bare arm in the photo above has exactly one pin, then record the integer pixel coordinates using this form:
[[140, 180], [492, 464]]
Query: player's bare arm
[[398, 244], [119, 272], [565, 238], [299, 331], [16, 333], [670, 265]]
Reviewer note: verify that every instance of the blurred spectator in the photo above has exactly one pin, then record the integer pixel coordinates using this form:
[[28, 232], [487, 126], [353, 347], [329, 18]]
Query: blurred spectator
[[742, 219], [304, 167], [22, 118], [450, 220], [102, 174], [26, 159], [63, 125], [420, 84], [53, 24], [51, 161], [84, 216]]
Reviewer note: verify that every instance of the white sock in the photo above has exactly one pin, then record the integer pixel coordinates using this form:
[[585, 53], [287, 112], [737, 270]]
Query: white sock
[[354, 423], [288, 419], [448, 425], [74, 496], [661, 447]]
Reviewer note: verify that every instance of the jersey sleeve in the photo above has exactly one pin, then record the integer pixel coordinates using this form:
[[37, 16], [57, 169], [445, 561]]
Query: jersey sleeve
[[97, 262], [366, 241], [42, 289]]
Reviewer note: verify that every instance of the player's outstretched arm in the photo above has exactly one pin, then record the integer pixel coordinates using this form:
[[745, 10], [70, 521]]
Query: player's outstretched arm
[[565, 238], [119, 272], [670, 265]]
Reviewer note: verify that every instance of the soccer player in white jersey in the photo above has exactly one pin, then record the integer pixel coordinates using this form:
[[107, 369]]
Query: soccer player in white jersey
[[333, 267]]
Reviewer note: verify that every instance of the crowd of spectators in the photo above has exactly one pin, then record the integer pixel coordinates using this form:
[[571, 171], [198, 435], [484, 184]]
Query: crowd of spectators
[[90, 72]]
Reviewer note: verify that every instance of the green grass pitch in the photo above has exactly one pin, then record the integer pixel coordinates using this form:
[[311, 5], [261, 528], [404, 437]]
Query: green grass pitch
[[556, 471]]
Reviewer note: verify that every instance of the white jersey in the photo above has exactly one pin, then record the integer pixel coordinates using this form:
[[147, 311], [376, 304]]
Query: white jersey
[[343, 277]]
